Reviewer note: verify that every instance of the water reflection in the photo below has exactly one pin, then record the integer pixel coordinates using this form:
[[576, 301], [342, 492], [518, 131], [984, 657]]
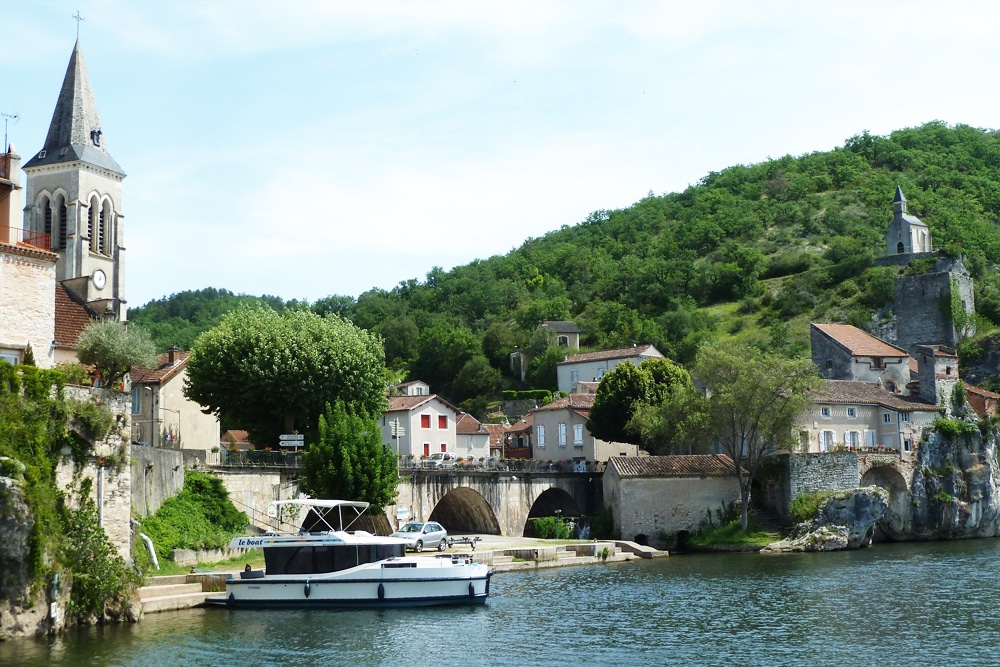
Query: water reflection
[[915, 604]]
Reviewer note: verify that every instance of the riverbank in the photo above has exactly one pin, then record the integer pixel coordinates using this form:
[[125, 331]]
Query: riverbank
[[502, 554]]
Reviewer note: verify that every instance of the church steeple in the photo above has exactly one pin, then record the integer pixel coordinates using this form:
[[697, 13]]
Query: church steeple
[[75, 132], [74, 197], [899, 202]]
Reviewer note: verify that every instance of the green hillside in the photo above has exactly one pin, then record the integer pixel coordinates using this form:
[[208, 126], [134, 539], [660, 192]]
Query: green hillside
[[753, 251]]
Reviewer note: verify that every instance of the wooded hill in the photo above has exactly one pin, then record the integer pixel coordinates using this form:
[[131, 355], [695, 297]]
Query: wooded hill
[[752, 251]]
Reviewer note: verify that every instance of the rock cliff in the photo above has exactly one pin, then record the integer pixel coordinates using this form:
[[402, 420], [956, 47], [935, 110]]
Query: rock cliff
[[845, 520], [955, 492]]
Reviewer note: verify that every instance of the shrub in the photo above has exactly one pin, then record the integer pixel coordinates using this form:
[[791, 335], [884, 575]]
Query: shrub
[[805, 506]]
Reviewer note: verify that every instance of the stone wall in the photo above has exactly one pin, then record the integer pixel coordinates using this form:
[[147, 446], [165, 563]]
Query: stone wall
[[27, 302], [108, 468], [157, 474], [836, 471], [652, 507], [252, 489]]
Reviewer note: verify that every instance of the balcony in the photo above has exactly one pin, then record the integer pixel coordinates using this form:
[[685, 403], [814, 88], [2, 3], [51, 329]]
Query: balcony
[[26, 237]]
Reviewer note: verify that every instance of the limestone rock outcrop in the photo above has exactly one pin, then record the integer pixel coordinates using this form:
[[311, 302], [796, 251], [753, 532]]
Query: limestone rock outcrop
[[845, 520], [21, 613]]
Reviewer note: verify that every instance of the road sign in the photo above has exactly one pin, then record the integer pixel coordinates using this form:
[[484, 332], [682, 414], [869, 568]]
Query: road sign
[[291, 436]]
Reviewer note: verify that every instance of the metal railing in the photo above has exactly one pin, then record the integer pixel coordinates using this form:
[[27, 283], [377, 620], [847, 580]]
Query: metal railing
[[501, 465], [16, 235], [261, 458]]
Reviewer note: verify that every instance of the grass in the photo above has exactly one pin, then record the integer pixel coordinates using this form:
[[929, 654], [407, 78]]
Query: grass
[[255, 557], [731, 534]]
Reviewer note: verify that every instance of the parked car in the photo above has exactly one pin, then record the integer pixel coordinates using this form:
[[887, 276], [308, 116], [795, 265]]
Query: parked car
[[422, 535], [440, 460]]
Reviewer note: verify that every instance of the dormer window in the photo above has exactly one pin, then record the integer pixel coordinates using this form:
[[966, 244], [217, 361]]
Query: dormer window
[[95, 136], [824, 412], [41, 154]]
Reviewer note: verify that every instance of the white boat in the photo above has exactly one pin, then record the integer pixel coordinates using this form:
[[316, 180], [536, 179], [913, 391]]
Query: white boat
[[323, 564]]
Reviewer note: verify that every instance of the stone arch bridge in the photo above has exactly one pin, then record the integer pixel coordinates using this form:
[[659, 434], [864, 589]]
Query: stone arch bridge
[[465, 501]]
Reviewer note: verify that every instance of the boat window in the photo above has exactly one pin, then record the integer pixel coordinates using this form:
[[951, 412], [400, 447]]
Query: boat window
[[315, 559]]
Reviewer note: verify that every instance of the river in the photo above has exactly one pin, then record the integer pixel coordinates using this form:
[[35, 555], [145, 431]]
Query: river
[[896, 604]]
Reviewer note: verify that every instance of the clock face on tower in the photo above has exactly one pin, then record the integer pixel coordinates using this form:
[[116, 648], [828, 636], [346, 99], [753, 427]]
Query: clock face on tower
[[99, 279]]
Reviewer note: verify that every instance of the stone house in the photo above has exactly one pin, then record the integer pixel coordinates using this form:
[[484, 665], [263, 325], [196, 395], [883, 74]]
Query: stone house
[[844, 352], [560, 433], [591, 366], [412, 388], [162, 416], [420, 425], [565, 334], [517, 439], [473, 440], [861, 415], [654, 496]]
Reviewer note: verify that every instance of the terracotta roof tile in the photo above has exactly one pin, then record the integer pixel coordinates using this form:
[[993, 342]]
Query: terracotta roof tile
[[697, 465], [622, 353], [980, 391], [867, 393], [466, 424], [164, 369], [560, 326], [411, 402], [577, 402], [71, 317], [858, 342]]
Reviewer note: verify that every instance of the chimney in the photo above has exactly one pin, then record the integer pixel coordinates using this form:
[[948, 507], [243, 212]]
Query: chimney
[[172, 354]]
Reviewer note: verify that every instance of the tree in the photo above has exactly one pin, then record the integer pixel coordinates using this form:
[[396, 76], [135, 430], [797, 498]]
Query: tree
[[476, 379], [751, 405], [274, 373], [114, 349], [441, 354], [627, 388], [348, 460]]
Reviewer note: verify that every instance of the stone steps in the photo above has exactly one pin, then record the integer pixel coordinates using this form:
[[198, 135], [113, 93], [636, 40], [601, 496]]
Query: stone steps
[[182, 591]]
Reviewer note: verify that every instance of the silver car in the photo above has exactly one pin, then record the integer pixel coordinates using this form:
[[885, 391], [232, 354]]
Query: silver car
[[422, 535]]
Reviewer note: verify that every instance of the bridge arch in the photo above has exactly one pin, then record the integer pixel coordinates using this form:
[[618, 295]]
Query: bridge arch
[[464, 510], [897, 515]]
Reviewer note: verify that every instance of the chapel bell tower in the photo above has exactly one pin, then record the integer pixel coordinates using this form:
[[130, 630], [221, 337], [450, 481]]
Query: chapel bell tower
[[74, 195]]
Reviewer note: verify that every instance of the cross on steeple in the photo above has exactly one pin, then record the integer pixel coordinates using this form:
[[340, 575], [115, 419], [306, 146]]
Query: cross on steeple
[[78, 19]]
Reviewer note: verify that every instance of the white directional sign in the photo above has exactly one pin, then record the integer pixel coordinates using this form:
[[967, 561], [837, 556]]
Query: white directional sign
[[291, 436]]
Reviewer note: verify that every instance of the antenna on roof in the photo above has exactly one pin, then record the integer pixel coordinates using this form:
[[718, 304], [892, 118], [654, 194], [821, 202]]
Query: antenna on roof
[[7, 117]]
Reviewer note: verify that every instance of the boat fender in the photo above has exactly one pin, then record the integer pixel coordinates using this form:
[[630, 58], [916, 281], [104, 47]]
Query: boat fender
[[381, 592], [308, 586], [488, 576], [472, 590], [231, 597]]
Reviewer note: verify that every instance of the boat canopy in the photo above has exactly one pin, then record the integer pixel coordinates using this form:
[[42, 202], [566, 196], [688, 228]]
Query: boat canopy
[[324, 515]]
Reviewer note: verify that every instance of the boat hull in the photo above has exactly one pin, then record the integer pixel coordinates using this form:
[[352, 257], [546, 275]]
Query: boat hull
[[372, 585]]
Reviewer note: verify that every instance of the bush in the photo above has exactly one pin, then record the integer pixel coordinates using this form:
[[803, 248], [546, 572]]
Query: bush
[[602, 526], [805, 506], [550, 528]]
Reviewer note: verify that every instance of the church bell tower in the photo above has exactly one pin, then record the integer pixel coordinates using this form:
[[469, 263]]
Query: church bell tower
[[74, 195]]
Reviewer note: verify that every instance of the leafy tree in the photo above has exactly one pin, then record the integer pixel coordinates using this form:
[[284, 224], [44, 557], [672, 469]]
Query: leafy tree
[[348, 460], [114, 349], [627, 388], [753, 402], [477, 378], [274, 373], [442, 352], [542, 372]]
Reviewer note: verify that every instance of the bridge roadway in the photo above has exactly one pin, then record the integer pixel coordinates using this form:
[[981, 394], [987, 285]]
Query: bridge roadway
[[464, 501]]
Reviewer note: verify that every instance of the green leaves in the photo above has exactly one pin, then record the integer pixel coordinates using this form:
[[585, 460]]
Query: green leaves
[[348, 461], [273, 373], [115, 350]]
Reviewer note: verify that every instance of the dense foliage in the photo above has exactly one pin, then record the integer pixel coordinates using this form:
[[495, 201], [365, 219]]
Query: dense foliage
[[348, 460], [115, 350], [751, 251], [201, 516], [34, 431], [273, 373]]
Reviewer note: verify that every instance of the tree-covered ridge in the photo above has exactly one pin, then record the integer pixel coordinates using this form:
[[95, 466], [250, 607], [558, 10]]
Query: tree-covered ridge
[[753, 251]]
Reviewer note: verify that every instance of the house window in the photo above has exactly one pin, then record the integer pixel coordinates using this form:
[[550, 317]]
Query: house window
[[442, 421], [877, 362], [136, 399], [890, 387], [904, 417], [852, 439], [444, 446], [425, 421], [562, 435], [887, 418], [10, 355], [541, 435], [427, 449], [600, 373], [869, 438], [852, 413], [574, 377], [824, 412], [907, 445], [825, 441], [578, 434]]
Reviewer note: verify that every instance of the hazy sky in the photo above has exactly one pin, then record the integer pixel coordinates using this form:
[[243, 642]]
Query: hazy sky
[[316, 147]]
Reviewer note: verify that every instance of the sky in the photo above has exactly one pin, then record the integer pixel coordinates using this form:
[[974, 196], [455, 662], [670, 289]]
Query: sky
[[317, 147]]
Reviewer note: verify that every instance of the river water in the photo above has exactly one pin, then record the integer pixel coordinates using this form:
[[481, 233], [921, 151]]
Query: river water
[[902, 604]]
